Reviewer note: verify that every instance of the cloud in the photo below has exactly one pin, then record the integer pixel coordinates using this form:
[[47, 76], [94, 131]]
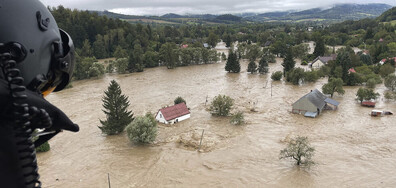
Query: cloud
[[160, 7]]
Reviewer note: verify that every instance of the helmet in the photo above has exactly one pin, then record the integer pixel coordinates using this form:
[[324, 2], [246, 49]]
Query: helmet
[[43, 52]]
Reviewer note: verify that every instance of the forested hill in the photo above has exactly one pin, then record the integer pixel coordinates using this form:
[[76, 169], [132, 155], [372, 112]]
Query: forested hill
[[337, 13], [388, 16]]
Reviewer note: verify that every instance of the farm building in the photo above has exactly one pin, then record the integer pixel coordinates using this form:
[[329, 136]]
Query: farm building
[[173, 114], [322, 60], [313, 103]]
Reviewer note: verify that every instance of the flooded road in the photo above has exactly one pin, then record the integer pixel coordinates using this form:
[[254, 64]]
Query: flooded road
[[352, 148]]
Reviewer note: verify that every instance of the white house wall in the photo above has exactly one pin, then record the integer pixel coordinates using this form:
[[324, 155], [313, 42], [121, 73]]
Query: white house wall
[[160, 118], [317, 64], [181, 118]]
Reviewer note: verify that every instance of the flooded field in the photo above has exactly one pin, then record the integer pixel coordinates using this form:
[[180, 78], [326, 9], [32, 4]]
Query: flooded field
[[352, 148]]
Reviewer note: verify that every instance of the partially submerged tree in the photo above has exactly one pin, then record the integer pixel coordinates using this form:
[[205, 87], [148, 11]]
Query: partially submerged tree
[[232, 64], [237, 119], [143, 129], [252, 67], [179, 100], [366, 94], [334, 85], [390, 82], [263, 65], [276, 75], [300, 150], [116, 109], [221, 105], [288, 63]]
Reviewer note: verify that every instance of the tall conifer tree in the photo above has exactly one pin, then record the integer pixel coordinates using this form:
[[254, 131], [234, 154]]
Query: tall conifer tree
[[116, 110]]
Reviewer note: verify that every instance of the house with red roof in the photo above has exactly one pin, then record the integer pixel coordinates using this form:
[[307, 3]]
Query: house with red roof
[[173, 114]]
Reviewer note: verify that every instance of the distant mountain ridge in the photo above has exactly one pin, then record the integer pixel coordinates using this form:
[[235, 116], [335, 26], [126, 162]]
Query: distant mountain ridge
[[339, 12]]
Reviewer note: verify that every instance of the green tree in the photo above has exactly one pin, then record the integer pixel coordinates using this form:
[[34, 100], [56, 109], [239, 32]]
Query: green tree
[[366, 94], [150, 59], [97, 69], [276, 75], [390, 82], [168, 55], [263, 65], [386, 69], [121, 65], [237, 119], [136, 59], [319, 48], [221, 105], [143, 129], [252, 67], [295, 75], [232, 64], [253, 52], [288, 63], [179, 100], [311, 76], [300, 150], [212, 39], [228, 41], [86, 50], [344, 60], [334, 85], [115, 106], [120, 53], [223, 56], [98, 47]]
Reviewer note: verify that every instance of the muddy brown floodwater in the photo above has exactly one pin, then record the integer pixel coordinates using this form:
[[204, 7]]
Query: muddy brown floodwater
[[352, 148]]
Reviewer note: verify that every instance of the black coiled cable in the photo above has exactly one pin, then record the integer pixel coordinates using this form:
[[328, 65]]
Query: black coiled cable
[[22, 128]]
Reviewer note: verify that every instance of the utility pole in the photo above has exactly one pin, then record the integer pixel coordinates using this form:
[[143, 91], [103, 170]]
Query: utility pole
[[108, 179], [200, 142]]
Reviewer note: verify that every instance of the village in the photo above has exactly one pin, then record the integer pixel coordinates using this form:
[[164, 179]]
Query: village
[[225, 105]]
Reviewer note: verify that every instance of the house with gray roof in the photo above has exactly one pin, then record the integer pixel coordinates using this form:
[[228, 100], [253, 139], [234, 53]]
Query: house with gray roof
[[322, 60], [313, 103]]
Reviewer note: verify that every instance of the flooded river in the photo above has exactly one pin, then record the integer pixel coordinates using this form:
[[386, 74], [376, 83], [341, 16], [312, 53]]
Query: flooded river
[[352, 148]]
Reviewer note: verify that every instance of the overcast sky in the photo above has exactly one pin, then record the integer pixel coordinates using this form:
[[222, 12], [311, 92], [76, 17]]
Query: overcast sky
[[160, 7]]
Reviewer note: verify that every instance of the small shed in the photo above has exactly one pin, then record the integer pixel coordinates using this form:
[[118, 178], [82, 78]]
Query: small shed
[[313, 103], [173, 114]]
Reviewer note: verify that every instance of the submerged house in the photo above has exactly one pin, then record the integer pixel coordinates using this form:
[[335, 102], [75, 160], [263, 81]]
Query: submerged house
[[322, 60], [173, 114], [313, 103]]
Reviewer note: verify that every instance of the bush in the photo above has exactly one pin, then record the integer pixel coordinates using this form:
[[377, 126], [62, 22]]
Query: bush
[[237, 119], [43, 147], [221, 105], [311, 76], [386, 69], [390, 95], [298, 149], [304, 63], [179, 100], [277, 75], [97, 69], [143, 129], [371, 83]]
